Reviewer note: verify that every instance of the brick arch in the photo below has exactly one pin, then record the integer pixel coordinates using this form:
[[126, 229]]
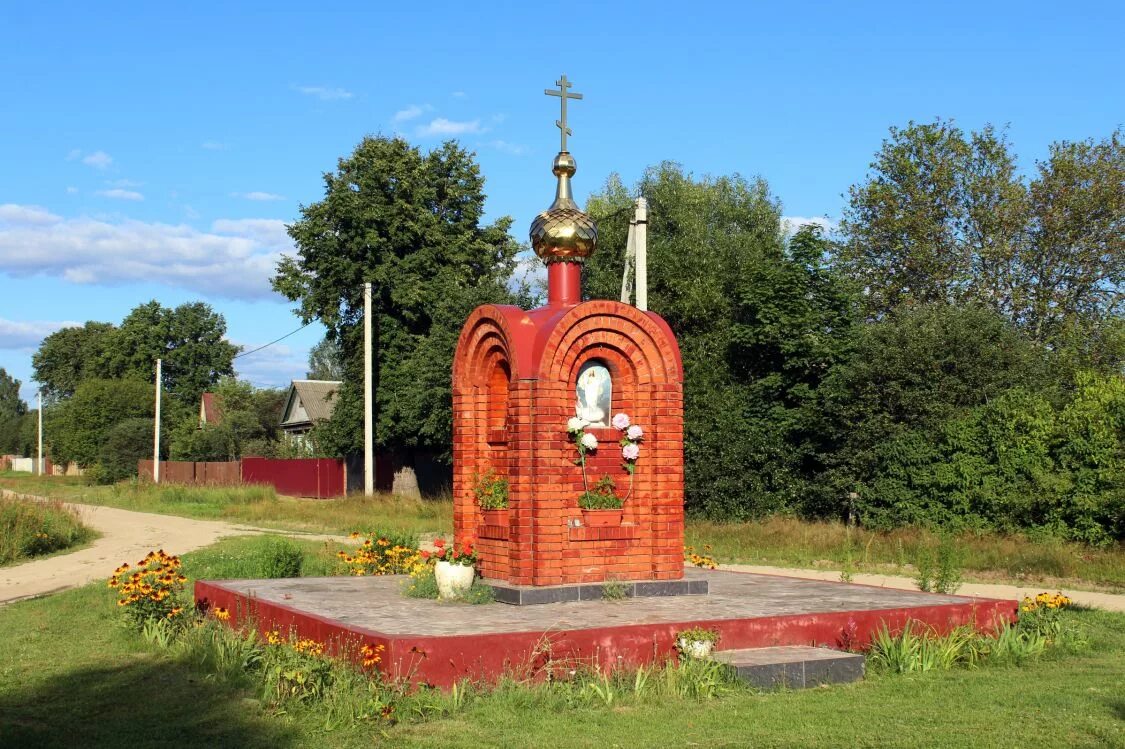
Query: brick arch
[[486, 334], [648, 346]]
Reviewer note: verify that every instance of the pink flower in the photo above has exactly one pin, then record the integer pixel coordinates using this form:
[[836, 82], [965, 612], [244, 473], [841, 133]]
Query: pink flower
[[620, 421], [630, 452], [635, 433], [590, 442]]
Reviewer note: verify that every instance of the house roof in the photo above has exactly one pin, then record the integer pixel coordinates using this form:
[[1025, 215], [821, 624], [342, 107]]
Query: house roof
[[209, 411], [309, 402]]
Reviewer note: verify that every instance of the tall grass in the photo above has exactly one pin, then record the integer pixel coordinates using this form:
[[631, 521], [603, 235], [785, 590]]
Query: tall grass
[[30, 529], [789, 541]]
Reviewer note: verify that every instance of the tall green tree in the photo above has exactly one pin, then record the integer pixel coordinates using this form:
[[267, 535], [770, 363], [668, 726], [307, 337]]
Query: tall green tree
[[411, 224], [77, 427], [1074, 270], [189, 338], [947, 217], [326, 361], [760, 321], [11, 404], [68, 356], [12, 411]]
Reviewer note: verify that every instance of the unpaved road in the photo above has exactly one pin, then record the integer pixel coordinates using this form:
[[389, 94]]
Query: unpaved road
[[126, 536]]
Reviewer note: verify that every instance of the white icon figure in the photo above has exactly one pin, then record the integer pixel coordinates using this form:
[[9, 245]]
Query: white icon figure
[[593, 393]]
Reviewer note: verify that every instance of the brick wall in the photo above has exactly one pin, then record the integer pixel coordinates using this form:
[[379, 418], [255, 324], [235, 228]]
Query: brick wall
[[523, 436]]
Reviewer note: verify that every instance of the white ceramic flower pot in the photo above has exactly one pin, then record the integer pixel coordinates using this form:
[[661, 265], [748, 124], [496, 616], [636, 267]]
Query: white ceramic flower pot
[[453, 580], [697, 649]]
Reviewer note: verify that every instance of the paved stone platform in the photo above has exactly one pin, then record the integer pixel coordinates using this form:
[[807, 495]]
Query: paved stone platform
[[441, 642]]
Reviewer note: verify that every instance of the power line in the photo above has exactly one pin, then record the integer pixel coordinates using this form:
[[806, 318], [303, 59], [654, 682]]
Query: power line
[[254, 351]]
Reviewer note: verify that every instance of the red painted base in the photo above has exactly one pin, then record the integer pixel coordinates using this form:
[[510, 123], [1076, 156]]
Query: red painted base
[[444, 660]]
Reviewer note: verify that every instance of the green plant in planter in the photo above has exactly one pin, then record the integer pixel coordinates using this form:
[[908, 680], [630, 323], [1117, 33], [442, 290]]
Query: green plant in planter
[[602, 497], [491, 490], [696, 642]]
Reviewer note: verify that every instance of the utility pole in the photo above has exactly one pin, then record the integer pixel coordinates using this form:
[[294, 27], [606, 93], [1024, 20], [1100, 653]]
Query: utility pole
[[368, 399], [39, 457], [636, 257], [156, 431], [641, 241]]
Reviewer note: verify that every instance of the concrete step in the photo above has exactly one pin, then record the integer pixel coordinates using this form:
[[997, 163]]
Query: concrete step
[[793, 667]]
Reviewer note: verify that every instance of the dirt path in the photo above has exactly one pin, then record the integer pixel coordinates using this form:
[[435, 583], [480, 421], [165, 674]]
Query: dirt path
[[125, 537], [1107, 601]]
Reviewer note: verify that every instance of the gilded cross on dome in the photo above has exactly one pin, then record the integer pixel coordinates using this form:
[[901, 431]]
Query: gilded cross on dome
[[563, 94]]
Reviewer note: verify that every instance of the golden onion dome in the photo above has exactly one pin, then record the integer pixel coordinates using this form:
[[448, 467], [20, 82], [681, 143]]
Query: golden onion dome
[[563, 232]]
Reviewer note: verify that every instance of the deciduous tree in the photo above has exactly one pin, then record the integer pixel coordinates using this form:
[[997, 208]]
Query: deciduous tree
[[411, 224], [947, 217], [760, 321], [69, 356]]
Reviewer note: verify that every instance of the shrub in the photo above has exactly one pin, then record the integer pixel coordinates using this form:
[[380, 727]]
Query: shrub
[[280, 557], [125, 443]]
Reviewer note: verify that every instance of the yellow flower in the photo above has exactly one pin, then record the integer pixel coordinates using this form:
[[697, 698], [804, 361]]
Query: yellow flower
[[222, 614]]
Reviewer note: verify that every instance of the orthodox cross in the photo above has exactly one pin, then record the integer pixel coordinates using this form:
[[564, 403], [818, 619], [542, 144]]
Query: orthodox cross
[[562, 93]]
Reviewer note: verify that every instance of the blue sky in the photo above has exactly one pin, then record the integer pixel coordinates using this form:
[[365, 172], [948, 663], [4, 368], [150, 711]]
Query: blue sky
[[150, 152]]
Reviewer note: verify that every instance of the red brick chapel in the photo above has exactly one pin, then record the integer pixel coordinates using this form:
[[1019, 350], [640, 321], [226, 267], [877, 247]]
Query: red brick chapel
[[516, 384]]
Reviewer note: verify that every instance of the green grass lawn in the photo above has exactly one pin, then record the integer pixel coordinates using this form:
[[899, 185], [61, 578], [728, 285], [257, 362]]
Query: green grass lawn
[[71, 675], [788, 542]]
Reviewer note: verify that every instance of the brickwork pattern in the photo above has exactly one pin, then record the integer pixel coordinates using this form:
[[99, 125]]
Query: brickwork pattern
[[535, 357]]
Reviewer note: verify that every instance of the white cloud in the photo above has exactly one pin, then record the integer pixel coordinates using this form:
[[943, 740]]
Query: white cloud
[[442, 126], [267, 231], [325, 93], [458, 94], [26, 214], [235, 259], [26, 335], [213, 145], [123, 183], [119, 194], [412, 112], [792, 224], [257, 195], [71, 190], [513, 148], [74, 154], [97, 159]]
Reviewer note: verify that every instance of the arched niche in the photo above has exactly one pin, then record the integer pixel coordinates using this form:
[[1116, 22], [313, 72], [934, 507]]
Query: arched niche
[[499, 385], [593, 392]]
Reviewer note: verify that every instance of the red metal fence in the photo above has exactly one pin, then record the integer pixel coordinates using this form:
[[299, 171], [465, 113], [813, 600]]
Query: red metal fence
[[297, 477]]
